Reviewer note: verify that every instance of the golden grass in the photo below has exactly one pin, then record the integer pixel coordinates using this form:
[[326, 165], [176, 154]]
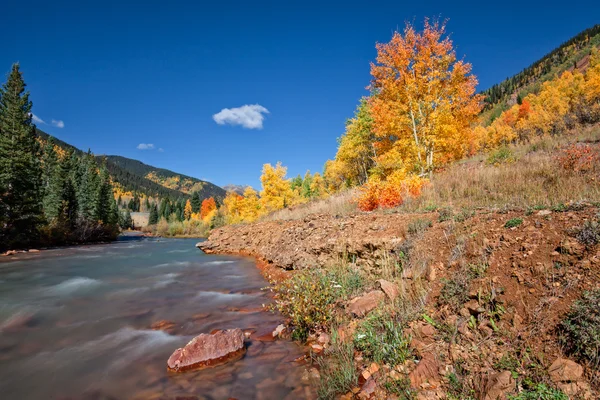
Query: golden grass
[[337, 204], [534, 178]]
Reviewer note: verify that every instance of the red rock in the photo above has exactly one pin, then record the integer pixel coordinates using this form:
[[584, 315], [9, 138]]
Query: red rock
[[498, 386], [163, 325], [208, 350], [426, 371], [564, 370], [361, 306], [390, 289]]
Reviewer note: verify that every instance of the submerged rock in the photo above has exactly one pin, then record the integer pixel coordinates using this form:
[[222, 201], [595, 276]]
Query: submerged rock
[[208, 350]]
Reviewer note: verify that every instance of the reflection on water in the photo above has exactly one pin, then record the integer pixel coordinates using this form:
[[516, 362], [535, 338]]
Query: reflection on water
[[75, 323]]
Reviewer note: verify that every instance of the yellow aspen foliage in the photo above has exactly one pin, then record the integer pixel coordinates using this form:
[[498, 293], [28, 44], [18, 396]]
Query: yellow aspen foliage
[[317, 186], [250, 205], [233, 206], [425, 104], [187, 211], [276, 190]]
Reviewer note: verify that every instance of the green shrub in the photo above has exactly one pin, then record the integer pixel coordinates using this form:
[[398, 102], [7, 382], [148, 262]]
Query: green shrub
[[464, 215], [501, 155], [454, 292], [513, 222], [400, 387], [446, 214], [579, 332], [337, 370], [540, 392], [588, 234], [419, 226], [381, 339], [307, 299]]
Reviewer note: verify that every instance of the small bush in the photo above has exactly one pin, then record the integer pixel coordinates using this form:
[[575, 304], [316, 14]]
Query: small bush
[[455, 291], [464, 215], [540, 392], [578, 158], [338, 373], [419, 226], [380, 337], [588, 234], [501, 155], [513, 222], [446, 214], [307, 299], [579, 332], [400, 387]]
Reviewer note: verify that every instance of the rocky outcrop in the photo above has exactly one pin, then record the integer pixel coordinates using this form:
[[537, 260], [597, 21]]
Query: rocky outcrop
[[361, 306], [208, 350], [317, 240]]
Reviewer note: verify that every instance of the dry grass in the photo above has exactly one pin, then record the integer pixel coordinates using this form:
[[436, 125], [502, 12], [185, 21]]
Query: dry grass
[[337, 204], [534, 179]]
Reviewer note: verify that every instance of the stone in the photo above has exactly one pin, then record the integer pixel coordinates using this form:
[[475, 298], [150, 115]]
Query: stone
[[360, 306], [543, 213], [279, 330], [323, 339], [163, 325], [367, 389], [34, 251], [427, 370], [316, 348], [577, 390], [390, 289], [498, 386], [565, 370], [474, 307], [208, 350]]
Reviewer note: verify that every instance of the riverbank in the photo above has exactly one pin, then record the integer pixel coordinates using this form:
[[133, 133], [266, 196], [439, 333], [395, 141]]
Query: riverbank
[[435, 304]]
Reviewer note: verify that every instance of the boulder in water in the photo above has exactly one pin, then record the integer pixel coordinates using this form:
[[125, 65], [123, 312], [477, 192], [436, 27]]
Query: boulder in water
[[208, 350]]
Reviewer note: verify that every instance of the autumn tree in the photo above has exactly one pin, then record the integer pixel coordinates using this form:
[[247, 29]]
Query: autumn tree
[[276, 189], [207, 206], [187, 211], [425, 102]]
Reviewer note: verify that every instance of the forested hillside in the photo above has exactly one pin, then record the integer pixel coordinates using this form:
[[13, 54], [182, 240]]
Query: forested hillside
[[136, 177], [133, 173], [571, 55]]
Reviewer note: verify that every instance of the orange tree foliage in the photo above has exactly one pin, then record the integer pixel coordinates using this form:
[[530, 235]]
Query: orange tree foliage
[[389, 193], [424, 106], [207, 206]]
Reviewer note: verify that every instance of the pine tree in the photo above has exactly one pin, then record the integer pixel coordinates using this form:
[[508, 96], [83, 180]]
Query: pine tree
[[127, 221], [162, 209], [196, 202], [153, 218], [69, 207], [306, 192], [53, 182], [20, 172], [88, 186], [103, 197]]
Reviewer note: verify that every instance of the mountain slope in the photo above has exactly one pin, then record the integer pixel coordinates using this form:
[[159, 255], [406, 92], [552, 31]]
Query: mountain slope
[[573, 54], [135, 176], [165, 178]]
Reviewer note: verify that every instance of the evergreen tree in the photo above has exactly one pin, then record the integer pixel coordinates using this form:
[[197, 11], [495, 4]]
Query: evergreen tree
[[20, 172], [88, 186], [306, 183], [196, 202], [147, 205], [127, 221], [162, 209], [53, 182], [113, 216], [102, 207], [153, 217], [69, 207]]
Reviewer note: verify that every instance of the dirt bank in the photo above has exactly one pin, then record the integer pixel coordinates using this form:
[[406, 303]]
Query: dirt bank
[[525, 270]]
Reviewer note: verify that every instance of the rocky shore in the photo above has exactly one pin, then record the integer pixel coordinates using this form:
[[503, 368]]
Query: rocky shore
[[496, 287]]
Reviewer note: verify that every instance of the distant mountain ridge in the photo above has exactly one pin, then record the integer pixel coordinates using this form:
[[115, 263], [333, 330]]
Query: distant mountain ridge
[[137, 177]]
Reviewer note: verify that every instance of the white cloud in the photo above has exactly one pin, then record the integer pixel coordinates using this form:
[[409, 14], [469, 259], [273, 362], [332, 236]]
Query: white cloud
[[145, 146], [58, 123], [249, 116], [37, 119], [160, 149]]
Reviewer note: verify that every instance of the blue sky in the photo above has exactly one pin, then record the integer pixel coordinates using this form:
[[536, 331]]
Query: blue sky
[[116, 75]]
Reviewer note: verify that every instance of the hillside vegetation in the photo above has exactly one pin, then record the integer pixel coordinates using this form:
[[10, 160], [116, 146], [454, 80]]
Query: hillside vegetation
[[573, 55]]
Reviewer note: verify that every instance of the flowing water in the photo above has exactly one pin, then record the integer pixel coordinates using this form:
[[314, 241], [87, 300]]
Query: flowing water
[[75, 323]]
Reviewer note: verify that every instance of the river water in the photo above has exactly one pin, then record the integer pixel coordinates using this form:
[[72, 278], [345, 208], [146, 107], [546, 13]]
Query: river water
[[75, 323]]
